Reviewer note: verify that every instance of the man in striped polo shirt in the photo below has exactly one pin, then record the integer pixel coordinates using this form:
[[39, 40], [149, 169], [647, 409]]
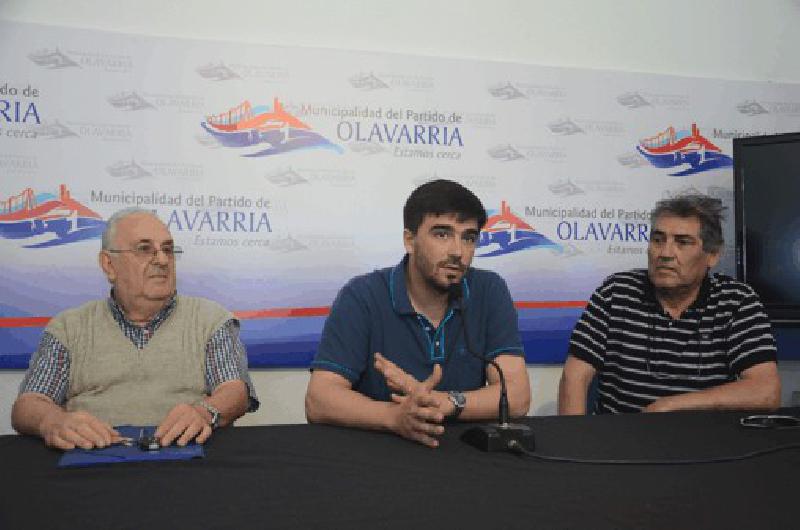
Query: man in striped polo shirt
[[673, 337]]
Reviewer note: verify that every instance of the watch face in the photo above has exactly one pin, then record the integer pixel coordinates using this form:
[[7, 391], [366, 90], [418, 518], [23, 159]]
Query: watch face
[[458, 399]]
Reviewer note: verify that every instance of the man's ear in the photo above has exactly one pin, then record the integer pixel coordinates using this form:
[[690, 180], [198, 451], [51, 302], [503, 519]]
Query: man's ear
[[104, 259], [713, 258], [408, 240]]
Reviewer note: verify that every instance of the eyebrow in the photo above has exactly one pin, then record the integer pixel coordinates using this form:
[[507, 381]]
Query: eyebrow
[[165, 242], [674, 236]]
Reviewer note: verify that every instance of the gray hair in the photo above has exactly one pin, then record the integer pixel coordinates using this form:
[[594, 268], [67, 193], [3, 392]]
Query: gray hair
[[708, 210], [110, 233]]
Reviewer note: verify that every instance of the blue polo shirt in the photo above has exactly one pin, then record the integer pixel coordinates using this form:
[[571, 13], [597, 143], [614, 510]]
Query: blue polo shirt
[[372, 313]]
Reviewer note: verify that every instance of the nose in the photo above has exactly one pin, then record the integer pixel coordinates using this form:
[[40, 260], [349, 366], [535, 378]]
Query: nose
[[456, 248], [666, 251], [159, 256]]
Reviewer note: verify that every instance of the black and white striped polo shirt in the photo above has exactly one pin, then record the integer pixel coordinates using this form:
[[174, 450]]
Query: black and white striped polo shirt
[[641, 353]]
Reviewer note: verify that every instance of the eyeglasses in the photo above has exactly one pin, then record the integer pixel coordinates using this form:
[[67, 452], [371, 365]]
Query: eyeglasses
[[770, 421], [148, 251]]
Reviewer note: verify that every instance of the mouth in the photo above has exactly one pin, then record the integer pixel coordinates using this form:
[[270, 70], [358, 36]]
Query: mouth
[[452, 270]]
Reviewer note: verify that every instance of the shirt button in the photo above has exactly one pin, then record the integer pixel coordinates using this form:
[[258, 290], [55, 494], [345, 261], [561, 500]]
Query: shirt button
[[437, 343]]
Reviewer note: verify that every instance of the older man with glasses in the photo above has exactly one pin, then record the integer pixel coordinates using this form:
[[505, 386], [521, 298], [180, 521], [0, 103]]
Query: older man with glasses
[[144, 356], [673, 336]]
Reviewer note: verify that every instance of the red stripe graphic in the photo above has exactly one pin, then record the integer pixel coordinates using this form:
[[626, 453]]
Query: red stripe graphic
[[290, 312]]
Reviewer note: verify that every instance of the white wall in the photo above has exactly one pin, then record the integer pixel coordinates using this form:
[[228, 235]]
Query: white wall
[[729, 39]]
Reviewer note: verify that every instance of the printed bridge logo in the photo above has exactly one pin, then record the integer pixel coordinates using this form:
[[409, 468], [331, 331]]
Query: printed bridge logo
[[673, 148], [248, 126], [505, 233], [44, 220]]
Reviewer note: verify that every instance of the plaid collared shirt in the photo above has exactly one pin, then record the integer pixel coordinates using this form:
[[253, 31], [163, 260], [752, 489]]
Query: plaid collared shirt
[[226, 358]]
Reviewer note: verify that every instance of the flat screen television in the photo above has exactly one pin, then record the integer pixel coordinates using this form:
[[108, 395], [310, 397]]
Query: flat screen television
[[766, 173]]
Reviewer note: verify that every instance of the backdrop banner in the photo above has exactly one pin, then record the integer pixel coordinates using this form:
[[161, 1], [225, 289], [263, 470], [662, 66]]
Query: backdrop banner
[[282, 172]]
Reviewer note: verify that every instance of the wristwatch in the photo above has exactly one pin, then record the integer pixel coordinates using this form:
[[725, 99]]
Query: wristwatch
[[459, 401], [216, 415]]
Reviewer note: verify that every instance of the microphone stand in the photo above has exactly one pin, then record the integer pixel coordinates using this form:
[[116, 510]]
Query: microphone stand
[[503, 435]]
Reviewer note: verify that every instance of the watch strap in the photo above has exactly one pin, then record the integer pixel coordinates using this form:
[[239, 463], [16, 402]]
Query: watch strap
[[216, 415], [459, 401]]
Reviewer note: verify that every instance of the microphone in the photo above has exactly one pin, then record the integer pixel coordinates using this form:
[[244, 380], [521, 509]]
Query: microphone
[[503, 435]]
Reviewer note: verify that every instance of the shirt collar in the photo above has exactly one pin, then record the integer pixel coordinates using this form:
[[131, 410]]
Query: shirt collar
[[161, 316], [398, 291], [699, 302]]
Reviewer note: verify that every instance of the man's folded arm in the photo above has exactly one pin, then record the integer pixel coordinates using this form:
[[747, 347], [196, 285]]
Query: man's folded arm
[[574, 385], [330, 398], [758, 388]]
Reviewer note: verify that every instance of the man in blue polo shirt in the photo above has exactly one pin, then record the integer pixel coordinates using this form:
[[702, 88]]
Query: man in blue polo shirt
[[393, 354]]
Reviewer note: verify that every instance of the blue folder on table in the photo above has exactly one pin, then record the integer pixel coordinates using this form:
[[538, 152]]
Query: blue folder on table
[[117, 453]]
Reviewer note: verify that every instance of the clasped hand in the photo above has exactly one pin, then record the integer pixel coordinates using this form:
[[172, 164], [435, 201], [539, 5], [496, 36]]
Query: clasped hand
[[418, 412]]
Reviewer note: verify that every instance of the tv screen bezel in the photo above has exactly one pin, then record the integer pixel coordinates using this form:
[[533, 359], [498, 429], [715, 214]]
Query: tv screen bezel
[[779, 314]]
